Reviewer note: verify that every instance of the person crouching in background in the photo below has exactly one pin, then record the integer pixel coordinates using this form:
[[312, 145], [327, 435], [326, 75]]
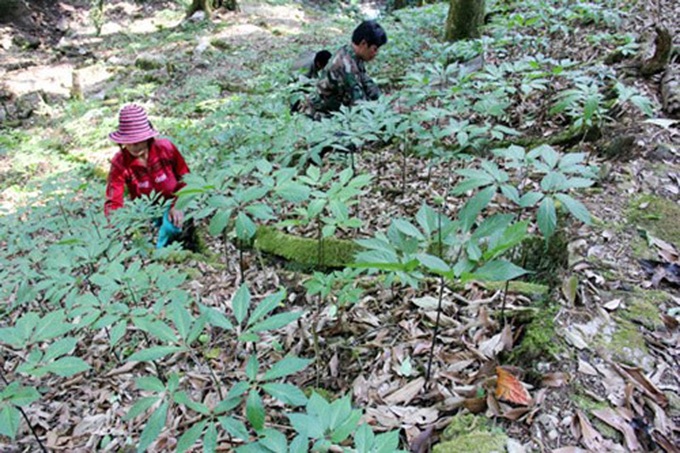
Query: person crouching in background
[[145, 164]]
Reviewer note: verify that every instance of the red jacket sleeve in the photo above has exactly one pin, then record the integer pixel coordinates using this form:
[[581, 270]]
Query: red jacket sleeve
[[115, 186], [179, 166]]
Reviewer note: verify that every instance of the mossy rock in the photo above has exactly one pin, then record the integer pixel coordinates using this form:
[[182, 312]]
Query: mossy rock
[[532, 290], [336, 253], [471, 434], [624, 342], [546, 259], [539, 341], [657, 215], [642, 307]]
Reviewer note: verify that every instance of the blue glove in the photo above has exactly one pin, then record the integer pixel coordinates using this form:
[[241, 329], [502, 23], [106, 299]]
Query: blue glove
[[167, 231]]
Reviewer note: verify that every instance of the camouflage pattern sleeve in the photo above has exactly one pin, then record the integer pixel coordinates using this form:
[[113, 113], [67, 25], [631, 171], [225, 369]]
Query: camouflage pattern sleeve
[[371, 88]]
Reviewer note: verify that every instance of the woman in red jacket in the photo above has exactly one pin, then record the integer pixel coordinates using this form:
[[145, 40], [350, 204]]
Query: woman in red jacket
[[144, 163]]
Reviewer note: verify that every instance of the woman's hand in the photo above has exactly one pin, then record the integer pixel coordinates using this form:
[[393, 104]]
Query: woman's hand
[[176, 217]]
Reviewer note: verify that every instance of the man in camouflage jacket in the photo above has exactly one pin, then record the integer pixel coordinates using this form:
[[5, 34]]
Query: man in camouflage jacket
[[344, 81]]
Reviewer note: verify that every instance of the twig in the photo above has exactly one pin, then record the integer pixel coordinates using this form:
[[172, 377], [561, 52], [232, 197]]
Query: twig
[[28, 422]]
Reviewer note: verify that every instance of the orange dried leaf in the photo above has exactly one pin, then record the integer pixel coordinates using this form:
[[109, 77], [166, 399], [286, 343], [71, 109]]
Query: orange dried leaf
[[509, 388]]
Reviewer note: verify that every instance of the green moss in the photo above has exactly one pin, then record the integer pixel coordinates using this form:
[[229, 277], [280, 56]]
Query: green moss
[[471, 434], [539, 340], [587, 404], [304, 251], [659, 216], [546, 259], [534, 290], [642, 307], [624, 342]]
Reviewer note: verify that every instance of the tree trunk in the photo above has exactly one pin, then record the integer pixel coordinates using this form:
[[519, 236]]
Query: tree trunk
[[465, 20], [209, 5]]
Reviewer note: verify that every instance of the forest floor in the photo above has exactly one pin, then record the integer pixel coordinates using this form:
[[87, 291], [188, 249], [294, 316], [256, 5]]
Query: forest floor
[[600, 356]]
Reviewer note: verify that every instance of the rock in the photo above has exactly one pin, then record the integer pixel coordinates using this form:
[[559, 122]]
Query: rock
[[26, 41], [198, 16], [148, 62], [664, 151], [3, 114], [620, 147], [62, 24], [670, 91], [27, 104], [203, 44]]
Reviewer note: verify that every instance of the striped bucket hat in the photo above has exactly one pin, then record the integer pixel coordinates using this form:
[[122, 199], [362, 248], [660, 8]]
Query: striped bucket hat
[[133, 126]]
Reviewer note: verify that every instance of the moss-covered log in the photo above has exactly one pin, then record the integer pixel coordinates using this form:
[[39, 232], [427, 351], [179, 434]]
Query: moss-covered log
[[662, 53], [335, 252]]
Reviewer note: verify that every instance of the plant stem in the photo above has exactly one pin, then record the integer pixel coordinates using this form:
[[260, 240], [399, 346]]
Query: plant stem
[[216, 382], [439, 302], [28, 422], [403, 171], [319, 241]]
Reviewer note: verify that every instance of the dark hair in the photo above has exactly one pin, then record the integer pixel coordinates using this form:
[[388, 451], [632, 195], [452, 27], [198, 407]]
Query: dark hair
[[321, 58], [371, 32]]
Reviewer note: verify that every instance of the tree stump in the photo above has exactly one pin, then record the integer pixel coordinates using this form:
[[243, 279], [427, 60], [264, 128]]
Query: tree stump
[[670, 91], [662, 53]]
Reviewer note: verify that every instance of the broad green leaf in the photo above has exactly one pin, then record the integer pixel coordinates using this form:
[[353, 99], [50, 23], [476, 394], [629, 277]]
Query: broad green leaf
[[150, 383], [346, 427], [240, 303], [141, 406], [274, 441], [307, 425], [51, 326], [498, 270], [547, 217], [408, 228], [219, 222], [210, 439], [255, 410], [276, 321], [386, 442], [433, 263], [364, 439], [190, 436], [59, 348], [554, 181], [529, 199], [181, 318], [157, 328], [472, 208], [293, 192], [216, 318], [10, 417], [252, 367], [261, 211], [67, 366], [153, 353], [286, 367], [20, 396], [153, 427], [575, 207], [234, 427], [184, 399], [267, 305], [245, 227], [117, 332], [286, 393]]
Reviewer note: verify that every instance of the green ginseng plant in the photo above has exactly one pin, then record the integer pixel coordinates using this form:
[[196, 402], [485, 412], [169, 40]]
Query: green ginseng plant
[[469, 247]]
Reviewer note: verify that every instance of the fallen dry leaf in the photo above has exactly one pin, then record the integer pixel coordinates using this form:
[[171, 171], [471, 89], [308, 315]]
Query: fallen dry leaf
[[405, 394], [617, 422], [558, 379], [643, 383], [509, 388]]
